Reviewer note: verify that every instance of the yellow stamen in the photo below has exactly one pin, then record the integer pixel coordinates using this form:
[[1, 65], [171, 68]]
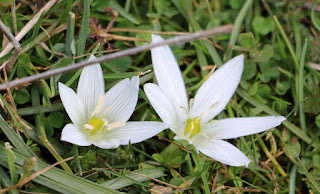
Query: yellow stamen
[[214, 104], [116, 125], [98, 107], [87, 126], [190, 102], [96, 124], [211, 137], [193, 127], [105, 112], [184, 108]]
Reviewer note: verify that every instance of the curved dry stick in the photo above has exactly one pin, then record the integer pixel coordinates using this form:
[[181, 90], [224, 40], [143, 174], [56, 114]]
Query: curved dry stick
[[171, 41]]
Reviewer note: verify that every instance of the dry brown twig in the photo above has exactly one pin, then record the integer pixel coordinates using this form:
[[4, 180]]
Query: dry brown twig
[[171, 41]]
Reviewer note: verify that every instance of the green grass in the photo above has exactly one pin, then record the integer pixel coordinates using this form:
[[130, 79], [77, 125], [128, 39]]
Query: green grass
[[279, 39]]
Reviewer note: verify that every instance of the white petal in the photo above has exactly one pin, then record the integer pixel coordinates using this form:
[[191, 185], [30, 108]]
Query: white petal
[[222, 151], [162, 105], [237, 127], [91, 86], [136, 131], [73, 105], [70, 133], [215, 93], [106, 143], [169, 76], [122, 98]]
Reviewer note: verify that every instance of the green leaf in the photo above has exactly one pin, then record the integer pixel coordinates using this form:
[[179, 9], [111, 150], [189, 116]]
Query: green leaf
[[316, 160], [122, 11], [264, 90], [158, 157], [247, 40], [162, 6], [236, 4], [122, 64], [265, 54], [22, 71], [55, 119], [262, 25], [292, 150], [23, 59], [318, 121], [143, 36], [253, 89], [2, 2], [273, 72], [249, 70], [21, 96], [59, 47], [282, 87]]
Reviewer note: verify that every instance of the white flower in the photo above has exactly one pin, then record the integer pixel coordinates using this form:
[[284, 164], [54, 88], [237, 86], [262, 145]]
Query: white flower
[[100, 118], [192, 122]]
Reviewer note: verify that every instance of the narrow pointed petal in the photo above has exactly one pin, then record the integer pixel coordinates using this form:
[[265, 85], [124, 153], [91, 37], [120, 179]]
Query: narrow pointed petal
[[222, 151], [91, 86], [72, 134], [169, 76], [214, 94], [237, 127], [162, 105], [73, 105], [136, 132], [122, 98]]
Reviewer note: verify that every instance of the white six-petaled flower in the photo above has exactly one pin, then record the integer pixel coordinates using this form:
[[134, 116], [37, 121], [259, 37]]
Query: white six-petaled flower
[[193, 121], [100, 118]]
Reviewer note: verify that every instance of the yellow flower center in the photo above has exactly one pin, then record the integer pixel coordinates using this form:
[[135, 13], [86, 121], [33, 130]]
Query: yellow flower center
[[97, 121], [193, 127], [96, 124]]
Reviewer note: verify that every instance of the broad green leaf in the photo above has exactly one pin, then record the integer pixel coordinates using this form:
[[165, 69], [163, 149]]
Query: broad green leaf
[[282, 87], [162, 6], [21, 96], [55, 119], [59, 48], [23, 59], [22, 71], [122, 64], [249, 70], [316, 160], [247, 40], [157, 157], [292, 150], [236, 4], [265, 54], [263, 25]]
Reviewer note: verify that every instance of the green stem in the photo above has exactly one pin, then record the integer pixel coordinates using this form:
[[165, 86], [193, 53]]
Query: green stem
[[286, 40], [237, 26], [292, 183], [197, 161], [300, 89]]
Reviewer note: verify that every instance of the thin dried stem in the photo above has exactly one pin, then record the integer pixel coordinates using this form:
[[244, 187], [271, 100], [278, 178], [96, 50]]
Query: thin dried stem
[[28, 26], [171, 41], [8, 34]]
